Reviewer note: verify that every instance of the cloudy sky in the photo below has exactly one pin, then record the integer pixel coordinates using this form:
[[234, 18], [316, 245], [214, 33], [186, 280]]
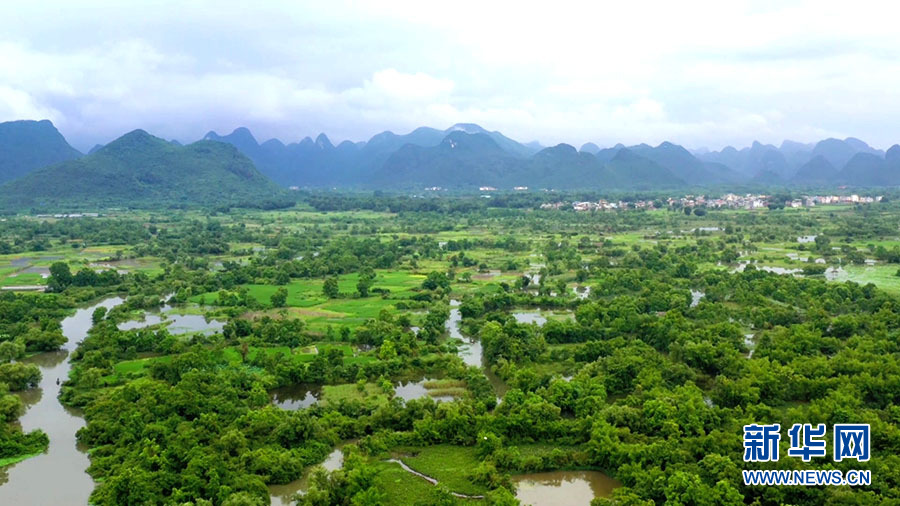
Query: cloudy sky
[[696, 73]]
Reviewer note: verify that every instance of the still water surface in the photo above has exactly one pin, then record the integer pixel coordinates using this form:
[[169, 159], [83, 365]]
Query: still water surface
[[58, 476], [572, 488], [281, 494]]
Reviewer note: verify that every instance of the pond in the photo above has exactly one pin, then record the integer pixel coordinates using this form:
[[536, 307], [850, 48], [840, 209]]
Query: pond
[[806, 239], [563, 487], [767, 268], [175, 323], [409, 390], [750, 343], [834, 273], [304, 395], [26, 261], [294, 397], [696, 295], [65, 461], [540, 316], [530, 317]]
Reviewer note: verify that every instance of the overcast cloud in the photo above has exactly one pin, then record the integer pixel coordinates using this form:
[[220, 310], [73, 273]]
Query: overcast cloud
[[695, 73]]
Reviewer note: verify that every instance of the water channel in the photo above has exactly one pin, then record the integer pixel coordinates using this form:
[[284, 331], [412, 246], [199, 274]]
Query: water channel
[[57, 476], [281, 494]]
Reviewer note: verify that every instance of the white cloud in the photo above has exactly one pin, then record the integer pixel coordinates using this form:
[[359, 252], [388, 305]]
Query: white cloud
[[15, 104], [416, 86], [695, 72]]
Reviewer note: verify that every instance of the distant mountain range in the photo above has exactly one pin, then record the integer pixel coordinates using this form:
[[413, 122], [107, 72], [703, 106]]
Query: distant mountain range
[[29, 145], [140, 170], [465, 156], [320, 163]]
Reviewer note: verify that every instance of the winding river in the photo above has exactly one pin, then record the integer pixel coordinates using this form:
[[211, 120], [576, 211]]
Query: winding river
[[57, 476]]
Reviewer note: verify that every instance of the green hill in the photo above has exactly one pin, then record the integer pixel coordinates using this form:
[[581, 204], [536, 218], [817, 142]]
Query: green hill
[[461, 160], [140, 170], [28, 145]]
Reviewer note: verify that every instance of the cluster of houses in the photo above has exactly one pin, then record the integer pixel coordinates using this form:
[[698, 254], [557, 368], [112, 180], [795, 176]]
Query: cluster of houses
[[493, 188], [601, 205], [728, 201], [834, 199], [69, 215]]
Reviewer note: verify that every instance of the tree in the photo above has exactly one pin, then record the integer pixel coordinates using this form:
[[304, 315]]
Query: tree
[[279, 298], [12, 350], [60, 276], [435, 280], [330, 288], [98, 315], [20, 376], [366, 280]]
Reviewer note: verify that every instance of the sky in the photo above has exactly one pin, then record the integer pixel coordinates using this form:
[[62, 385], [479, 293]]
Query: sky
[[701, 74]]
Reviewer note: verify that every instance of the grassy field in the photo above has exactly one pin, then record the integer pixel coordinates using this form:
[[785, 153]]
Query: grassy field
[[350, 391], [449, 465], [306, 300], [407, 488], [7, 461], [883, 276]]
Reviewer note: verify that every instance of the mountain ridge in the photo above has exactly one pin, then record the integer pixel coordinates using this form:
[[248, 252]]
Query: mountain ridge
[[26, 145], [422, 157], [141, 170]]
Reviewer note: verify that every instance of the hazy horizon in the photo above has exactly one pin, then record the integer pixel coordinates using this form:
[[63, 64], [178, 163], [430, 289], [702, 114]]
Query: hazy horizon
[[725, 75]]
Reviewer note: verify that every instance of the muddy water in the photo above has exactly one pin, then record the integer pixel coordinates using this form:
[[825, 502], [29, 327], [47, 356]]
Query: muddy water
[[563, 487], [58, 476], [281, 494]]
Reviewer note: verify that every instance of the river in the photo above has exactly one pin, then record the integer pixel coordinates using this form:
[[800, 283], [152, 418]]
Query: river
[[58, 476], [471, 352]]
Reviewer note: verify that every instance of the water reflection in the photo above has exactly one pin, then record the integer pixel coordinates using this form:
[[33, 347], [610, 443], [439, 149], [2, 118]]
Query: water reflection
[[834, 273], [563, 487], [282, 495], [409, 390], [471, 352], [696, 295], [297, 396], [64, 462], [582, 292], [530, 317], [176, 323]]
